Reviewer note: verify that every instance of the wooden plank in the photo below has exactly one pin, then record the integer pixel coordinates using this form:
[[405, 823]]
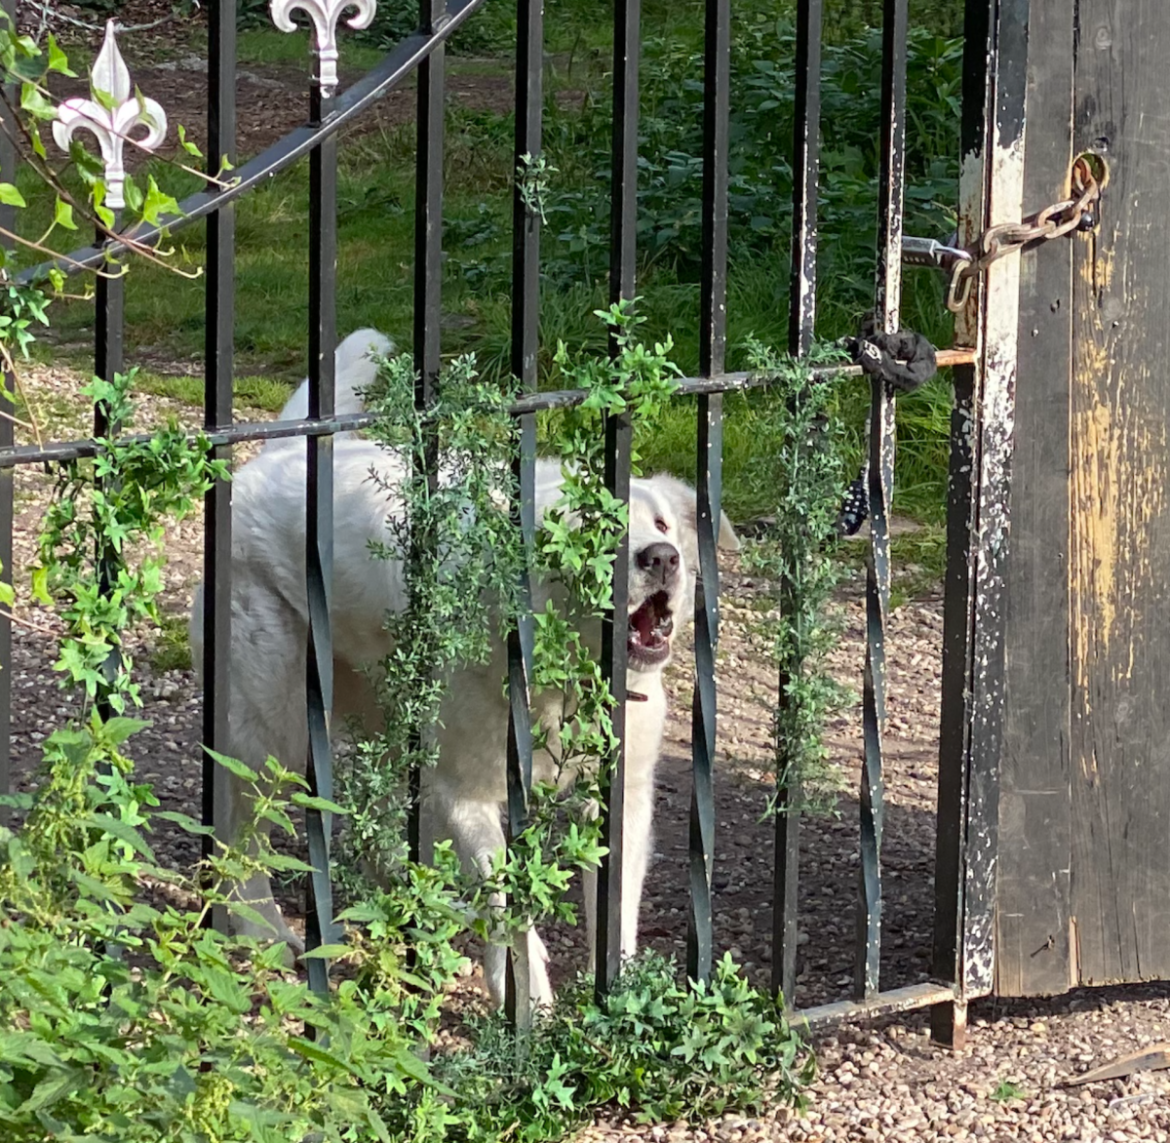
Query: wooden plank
[[1032, 950], [1120, 525], [907, 999]]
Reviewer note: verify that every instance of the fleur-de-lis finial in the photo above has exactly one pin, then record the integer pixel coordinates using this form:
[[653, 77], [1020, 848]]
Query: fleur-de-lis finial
[[324, 14], [113, 112]]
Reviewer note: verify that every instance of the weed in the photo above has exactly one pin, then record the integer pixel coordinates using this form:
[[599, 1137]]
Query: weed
[[1007, 1090], [653, 1048], [171, 649]]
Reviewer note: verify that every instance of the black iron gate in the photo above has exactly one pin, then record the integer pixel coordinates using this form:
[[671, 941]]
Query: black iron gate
[[983, 362]]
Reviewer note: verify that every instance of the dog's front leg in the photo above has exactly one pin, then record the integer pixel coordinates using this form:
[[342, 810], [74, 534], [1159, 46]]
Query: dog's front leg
[[478, 834], [636, 845], [256, 891]]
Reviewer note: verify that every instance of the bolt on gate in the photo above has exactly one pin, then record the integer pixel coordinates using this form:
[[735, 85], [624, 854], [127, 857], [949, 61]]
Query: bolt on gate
[[993, 98]]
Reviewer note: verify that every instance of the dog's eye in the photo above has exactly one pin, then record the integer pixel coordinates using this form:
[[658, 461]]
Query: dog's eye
[[661, 525]]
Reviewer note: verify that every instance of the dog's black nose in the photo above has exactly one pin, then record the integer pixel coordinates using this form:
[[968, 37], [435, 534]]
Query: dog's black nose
[[660, 560]]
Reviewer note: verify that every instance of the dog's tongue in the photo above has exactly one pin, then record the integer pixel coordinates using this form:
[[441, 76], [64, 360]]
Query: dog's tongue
[[644, 622]]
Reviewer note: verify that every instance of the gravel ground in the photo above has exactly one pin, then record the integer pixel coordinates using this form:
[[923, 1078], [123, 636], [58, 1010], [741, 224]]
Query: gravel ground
[[881, 1082]]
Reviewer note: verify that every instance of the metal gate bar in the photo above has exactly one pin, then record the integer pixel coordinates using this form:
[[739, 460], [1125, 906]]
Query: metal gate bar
[[218, 359], [618, 436], [352, 422], [709, 479], [319, 517], [526, 220], [881, 491], [8, 161], [428, 281]]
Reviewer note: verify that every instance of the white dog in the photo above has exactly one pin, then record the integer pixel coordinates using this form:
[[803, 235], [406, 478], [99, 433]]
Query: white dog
[[468, 787]]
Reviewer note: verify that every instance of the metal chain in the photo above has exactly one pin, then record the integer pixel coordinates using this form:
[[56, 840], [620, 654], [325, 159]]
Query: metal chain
[[997, 242]]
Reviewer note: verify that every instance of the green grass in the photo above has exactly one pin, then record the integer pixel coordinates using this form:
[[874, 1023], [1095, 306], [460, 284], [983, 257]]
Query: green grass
[[268, 46], [376, 233], [251, 392]]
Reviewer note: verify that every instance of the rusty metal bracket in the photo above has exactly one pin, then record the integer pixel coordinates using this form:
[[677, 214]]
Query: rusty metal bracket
[[965, 264]]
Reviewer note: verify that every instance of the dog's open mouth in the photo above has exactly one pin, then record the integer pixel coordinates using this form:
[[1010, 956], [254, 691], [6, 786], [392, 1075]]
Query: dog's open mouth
[[651, 626]]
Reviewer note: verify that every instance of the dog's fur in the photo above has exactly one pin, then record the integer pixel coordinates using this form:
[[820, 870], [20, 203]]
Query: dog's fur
[[466, 792]]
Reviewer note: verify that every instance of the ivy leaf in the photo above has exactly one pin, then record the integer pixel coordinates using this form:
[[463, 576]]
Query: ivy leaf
[[133, 194], [186, 143], [158, 203], [33, 100], [58, 61], [10, 196]]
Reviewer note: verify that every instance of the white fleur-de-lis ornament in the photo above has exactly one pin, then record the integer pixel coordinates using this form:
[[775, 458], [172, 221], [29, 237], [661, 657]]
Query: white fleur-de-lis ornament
[[113, 112], [325, 14]]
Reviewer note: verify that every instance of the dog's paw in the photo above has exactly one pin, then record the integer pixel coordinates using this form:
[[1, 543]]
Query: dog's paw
[[271, 931]]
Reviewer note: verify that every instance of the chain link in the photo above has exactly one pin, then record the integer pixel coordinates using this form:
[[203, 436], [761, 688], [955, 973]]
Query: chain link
[[999, 241]]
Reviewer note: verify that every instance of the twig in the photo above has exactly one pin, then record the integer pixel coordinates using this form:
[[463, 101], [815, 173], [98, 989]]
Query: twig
[[53, 253], [30, 624], [13, 372], [48, 12], [18, 422]]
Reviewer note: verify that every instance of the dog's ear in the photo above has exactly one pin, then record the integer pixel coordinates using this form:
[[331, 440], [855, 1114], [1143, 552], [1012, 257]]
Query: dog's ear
[[685, 502]]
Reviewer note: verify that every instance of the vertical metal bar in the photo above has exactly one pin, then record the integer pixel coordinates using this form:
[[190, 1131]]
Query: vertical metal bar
[[428, 253], [109, 332], [881, 482], [217, 413], [319, 526], [995, 91], [806, 185], [801, 328], [525, 343], [618, 436], [709, 485], [8, 163]]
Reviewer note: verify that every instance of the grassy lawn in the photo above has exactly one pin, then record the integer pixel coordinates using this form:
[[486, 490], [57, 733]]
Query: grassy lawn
[[375, 221]]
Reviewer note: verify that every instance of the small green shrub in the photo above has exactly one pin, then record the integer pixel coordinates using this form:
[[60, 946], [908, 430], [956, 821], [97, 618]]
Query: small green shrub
[[124, 1017], [653, 1048], [796, 558], [761, 132]]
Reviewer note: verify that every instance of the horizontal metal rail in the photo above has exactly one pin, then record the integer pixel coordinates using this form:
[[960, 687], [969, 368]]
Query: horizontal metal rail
[[297, 144], [351, 422]]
